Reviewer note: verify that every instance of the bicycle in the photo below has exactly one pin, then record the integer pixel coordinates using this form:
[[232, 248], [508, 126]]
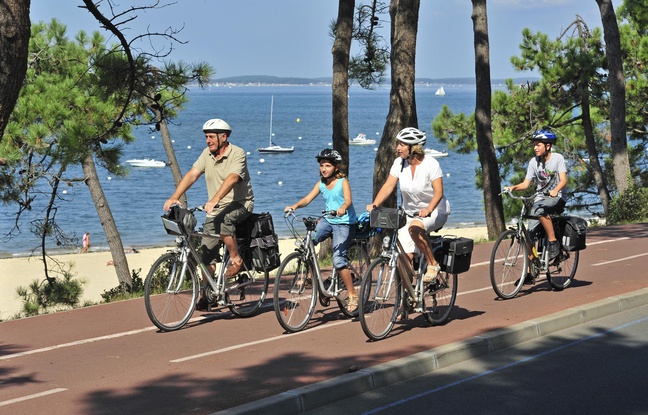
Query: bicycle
[[172, 285], [300, 282], [511, 258], [388, 282]]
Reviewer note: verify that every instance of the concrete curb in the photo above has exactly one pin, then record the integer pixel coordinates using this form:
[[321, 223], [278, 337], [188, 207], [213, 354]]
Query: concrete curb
[[322, 393]]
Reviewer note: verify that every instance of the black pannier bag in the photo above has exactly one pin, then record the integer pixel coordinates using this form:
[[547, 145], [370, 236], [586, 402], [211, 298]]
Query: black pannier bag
[[387, 218], [573, 231], [457, 252], [263, 241]]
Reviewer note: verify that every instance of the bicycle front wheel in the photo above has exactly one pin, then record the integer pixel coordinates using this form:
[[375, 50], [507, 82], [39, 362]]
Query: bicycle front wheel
[[508, 265], [439, 298], [170, 292], [561, 271], [358, 263], [381, 296], [295, 292], [247, 292]]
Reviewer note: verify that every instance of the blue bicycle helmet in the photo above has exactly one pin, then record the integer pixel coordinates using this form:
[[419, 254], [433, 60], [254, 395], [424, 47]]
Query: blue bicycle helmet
[[544, 136]]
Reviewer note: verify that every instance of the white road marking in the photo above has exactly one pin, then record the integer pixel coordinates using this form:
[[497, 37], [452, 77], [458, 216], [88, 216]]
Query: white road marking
[[76, 343], [254, 343], [28, 397], [619, 260]]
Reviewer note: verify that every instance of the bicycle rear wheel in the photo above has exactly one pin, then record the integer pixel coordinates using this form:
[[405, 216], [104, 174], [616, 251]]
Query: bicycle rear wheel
[[381, 295], [439, 298], [358, 263], [247, 292], [561, 271], [508, 265], [170, 292], [295, 292]]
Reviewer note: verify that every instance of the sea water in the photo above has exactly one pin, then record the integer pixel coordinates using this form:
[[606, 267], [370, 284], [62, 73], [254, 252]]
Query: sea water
[[301, 118]]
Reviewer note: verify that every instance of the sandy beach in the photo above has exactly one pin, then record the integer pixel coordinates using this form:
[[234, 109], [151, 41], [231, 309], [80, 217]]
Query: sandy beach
[[91, 267]]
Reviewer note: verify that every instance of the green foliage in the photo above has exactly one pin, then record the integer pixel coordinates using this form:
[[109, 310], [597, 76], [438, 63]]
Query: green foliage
[[50, 295], [573, 71], [124, 291], [630, 207]]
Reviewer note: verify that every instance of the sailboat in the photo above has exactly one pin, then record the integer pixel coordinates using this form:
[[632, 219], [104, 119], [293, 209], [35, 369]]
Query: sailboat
[[274, 148], [440, 92]]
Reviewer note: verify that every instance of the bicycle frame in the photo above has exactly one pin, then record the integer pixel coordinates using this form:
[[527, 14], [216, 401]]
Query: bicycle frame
[[173, 284], [299, 282], [307, 248], [387, 291]]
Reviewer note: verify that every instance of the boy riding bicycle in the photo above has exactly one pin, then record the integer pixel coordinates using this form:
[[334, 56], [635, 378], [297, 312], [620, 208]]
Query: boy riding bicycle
[[543, 168]]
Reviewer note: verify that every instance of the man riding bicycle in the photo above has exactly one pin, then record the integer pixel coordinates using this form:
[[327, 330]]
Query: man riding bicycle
[[231, 199], [545, 166]]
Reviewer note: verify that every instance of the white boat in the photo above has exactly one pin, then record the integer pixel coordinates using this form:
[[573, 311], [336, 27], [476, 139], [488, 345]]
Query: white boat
[[146, 163], [274, 148], [361, 140], [440, 92], [435, 153]]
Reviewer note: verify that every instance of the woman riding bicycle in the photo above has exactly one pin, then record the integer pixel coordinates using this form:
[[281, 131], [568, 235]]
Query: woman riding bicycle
[[543, 168], [421, 184], [337, 196]]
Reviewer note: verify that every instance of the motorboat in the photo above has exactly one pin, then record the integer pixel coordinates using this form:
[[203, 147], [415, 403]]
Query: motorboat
[[361, 140], [146, 163], [272, 147], [435, 153]]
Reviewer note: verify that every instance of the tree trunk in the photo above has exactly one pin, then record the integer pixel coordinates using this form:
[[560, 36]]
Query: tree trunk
[[594, 165], [341, 51], [616, 86], [485, 148], [168, 146], [107, 221], [402, 100], [15, 30]]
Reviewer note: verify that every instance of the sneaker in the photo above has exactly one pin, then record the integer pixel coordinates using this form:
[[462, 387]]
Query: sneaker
[[554, 249]]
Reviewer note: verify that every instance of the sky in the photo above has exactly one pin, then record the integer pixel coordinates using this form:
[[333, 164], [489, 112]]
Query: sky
[[290, 38]]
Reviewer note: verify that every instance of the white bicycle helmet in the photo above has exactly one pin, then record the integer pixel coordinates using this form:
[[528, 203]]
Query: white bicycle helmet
[[411, 136], [216, 125]]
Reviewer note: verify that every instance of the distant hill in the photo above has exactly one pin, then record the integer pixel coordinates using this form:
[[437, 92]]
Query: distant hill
[[277, 80]]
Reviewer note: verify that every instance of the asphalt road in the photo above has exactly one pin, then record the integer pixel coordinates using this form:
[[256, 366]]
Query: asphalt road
[[110, 359], [593, 368]]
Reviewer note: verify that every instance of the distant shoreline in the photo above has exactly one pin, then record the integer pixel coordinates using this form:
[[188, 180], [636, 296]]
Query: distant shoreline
[[264, 80]]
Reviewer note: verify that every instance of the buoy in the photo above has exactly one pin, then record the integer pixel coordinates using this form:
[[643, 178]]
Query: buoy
[[258, 172], [280, 183], [109, 178], [262, 161], [298, 120], [188, 147]]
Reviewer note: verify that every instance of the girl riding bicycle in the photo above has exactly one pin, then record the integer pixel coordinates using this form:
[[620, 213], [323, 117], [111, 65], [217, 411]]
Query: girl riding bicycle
[[336, 191]]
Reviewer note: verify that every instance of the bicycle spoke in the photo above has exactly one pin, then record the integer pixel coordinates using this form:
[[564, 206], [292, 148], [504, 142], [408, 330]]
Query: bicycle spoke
[[295, 293], [508, 265], [170, 292], [380, 294]]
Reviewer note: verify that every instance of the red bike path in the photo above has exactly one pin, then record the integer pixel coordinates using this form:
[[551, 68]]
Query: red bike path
[[110, 359]]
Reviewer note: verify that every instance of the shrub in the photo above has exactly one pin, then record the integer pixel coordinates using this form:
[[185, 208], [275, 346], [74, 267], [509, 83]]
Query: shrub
[[123, 291], [51, 295], [631, 206]]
